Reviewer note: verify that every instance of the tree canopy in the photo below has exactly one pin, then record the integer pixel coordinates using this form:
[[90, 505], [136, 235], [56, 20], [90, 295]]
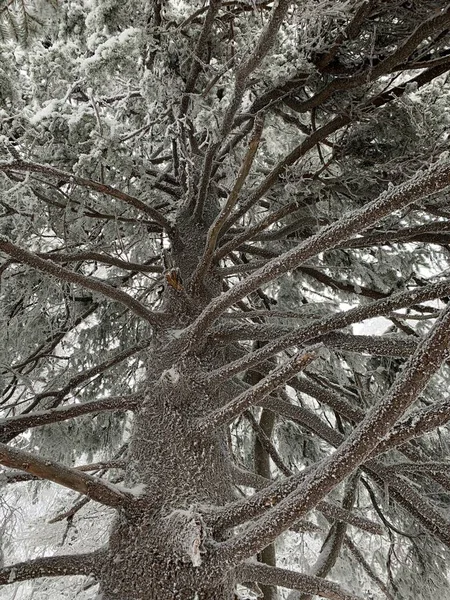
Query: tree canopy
[[224, 301]]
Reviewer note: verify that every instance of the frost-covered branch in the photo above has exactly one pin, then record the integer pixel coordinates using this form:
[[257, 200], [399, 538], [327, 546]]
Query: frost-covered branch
[[324, 326], [53, 566], [144, 267], [295, 581], [14, 425], [216, 227], [431, 26], [63, 274], [270, 494], [100, 491], [258, 392], [263, 45], [350, 454], [367, 567], [102, 188], [58, 395], [416, 424], [424, 184]]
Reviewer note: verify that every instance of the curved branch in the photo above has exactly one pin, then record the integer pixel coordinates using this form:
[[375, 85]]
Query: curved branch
[[54, 566], [96, 285], [100, 491], [294, 581]]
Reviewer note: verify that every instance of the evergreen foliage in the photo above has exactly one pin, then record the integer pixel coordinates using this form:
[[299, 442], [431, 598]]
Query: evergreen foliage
[[231, 216]]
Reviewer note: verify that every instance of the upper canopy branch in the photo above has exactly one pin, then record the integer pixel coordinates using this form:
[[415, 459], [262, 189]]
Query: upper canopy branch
[[263, 45]]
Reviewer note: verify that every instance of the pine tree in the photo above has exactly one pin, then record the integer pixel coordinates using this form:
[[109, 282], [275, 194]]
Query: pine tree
[[224, 302]]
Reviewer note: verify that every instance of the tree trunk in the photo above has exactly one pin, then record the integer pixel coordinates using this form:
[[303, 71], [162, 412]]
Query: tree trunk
[[156, 551]]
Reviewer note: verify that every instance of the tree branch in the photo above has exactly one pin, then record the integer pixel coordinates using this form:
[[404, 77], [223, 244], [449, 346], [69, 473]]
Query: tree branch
[[63, 274], [294, 581], [425, 183], [20, 165], [350, 454], [216, 227], [329, 324], [244, 70], [100, 491], [255, 394], [15, 425], [54, 566]]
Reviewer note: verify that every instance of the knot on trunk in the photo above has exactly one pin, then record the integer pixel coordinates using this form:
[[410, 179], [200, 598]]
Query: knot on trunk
[[187, 533]]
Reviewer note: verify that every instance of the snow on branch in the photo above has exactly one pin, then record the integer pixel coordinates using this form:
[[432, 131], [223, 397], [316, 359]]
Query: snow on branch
[[263, 45], [14, 425], [63, 274], [108, 190], [270, 494], [436, 178], [258, 392], [92, 372], [53, 566], [295, 581], [352, 452], [216, 227], [328, 324], [100, 491]]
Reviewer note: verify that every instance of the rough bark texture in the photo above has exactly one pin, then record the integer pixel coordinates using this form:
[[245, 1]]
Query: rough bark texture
[[164, 537]]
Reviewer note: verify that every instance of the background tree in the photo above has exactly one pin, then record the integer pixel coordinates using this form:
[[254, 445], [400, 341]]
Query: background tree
[[201, 203]]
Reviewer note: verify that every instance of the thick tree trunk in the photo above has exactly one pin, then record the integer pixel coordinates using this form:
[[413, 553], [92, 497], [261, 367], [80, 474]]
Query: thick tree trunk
[[157, 550]]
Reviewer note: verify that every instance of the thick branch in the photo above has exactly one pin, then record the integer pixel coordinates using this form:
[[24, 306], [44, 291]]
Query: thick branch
[[97, 490], [53, 566], [329, 324], [258, 392], [350, 454]]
